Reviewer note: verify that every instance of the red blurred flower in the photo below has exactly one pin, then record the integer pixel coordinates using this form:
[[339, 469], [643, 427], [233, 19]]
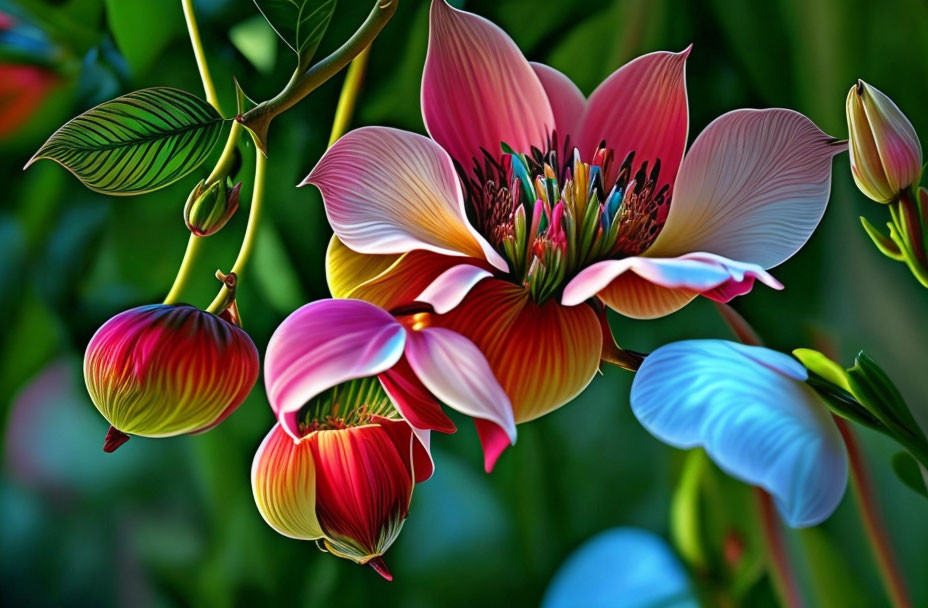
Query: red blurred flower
[[23, 88]]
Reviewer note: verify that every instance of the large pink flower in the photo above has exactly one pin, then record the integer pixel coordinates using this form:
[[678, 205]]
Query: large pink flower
[[530, 203]]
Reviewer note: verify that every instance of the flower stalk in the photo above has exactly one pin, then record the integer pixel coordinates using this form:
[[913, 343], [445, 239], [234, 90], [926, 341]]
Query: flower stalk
[[301, 84], [784, 577], [873, 522], [208, 87], [251, 231]]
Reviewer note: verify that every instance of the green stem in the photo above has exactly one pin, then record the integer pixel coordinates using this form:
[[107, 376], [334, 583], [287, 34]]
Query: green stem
[[194, 243], [258, 119], [227, 158], [200, 55], [349, 95], [251, 230]]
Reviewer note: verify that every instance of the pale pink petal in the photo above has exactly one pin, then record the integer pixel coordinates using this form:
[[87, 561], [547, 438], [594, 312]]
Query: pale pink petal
[[456, 372], [566, 99], [451, 286], [753, 187], [641, 108], [705, 273], [478, 90], [391, 191], [324, 344]]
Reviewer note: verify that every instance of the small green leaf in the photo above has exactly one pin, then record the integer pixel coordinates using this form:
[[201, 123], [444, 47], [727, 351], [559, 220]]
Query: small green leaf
[[299, 23], [874, 389], [136, 143], [823, 366], [909, 472], [885, 244]]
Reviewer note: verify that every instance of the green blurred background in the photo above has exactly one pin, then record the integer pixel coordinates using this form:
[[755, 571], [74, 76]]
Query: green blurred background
[[172, 522]]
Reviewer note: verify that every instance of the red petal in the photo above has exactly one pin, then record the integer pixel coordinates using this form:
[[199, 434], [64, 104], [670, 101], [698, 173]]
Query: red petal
[[363, 487], [414, 401]]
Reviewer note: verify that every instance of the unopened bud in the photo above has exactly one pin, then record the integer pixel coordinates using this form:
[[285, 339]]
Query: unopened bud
[[886, 156], [208, 208]]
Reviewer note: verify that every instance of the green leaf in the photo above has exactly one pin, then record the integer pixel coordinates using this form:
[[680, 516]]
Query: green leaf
[[874, 389], [885, 244], [299, 23], [909, 472], [136, 143]]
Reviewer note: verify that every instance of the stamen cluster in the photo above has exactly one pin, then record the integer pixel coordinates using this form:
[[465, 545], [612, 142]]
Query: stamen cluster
[[551, 214]]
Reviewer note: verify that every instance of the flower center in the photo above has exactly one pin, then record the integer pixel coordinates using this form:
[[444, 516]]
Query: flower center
[[350, 404], [550, 214]]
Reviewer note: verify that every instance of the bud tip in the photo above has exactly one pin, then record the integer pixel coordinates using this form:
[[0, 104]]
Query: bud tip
[[114, 439], [380, 567]]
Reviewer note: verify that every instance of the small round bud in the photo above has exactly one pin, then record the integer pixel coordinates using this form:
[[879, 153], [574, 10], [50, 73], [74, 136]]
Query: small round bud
[[162, 370], [208, 208]]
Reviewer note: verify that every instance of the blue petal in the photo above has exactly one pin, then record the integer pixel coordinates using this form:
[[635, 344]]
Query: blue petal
[[756, 418], [621, 568]]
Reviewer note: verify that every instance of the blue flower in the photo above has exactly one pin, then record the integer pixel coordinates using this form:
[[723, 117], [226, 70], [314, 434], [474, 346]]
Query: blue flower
[[621, 568], [751, 410]]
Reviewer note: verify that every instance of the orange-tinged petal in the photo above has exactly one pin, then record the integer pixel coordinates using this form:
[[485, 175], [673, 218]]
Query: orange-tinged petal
[[283, 481], [542, 356], [638, 298]]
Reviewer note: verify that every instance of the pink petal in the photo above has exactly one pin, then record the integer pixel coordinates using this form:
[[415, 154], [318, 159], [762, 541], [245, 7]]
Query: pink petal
[[641, 107], [392, 191], [478, 90], [456, 372], [493, 439], [451, 286], [324, 344], [753, 187], [566, 99], [711, 275]]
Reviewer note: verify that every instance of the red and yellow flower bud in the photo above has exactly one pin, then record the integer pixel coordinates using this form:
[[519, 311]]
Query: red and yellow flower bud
[[347, 482], [209, 208], [162, 370], [886, 156]]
